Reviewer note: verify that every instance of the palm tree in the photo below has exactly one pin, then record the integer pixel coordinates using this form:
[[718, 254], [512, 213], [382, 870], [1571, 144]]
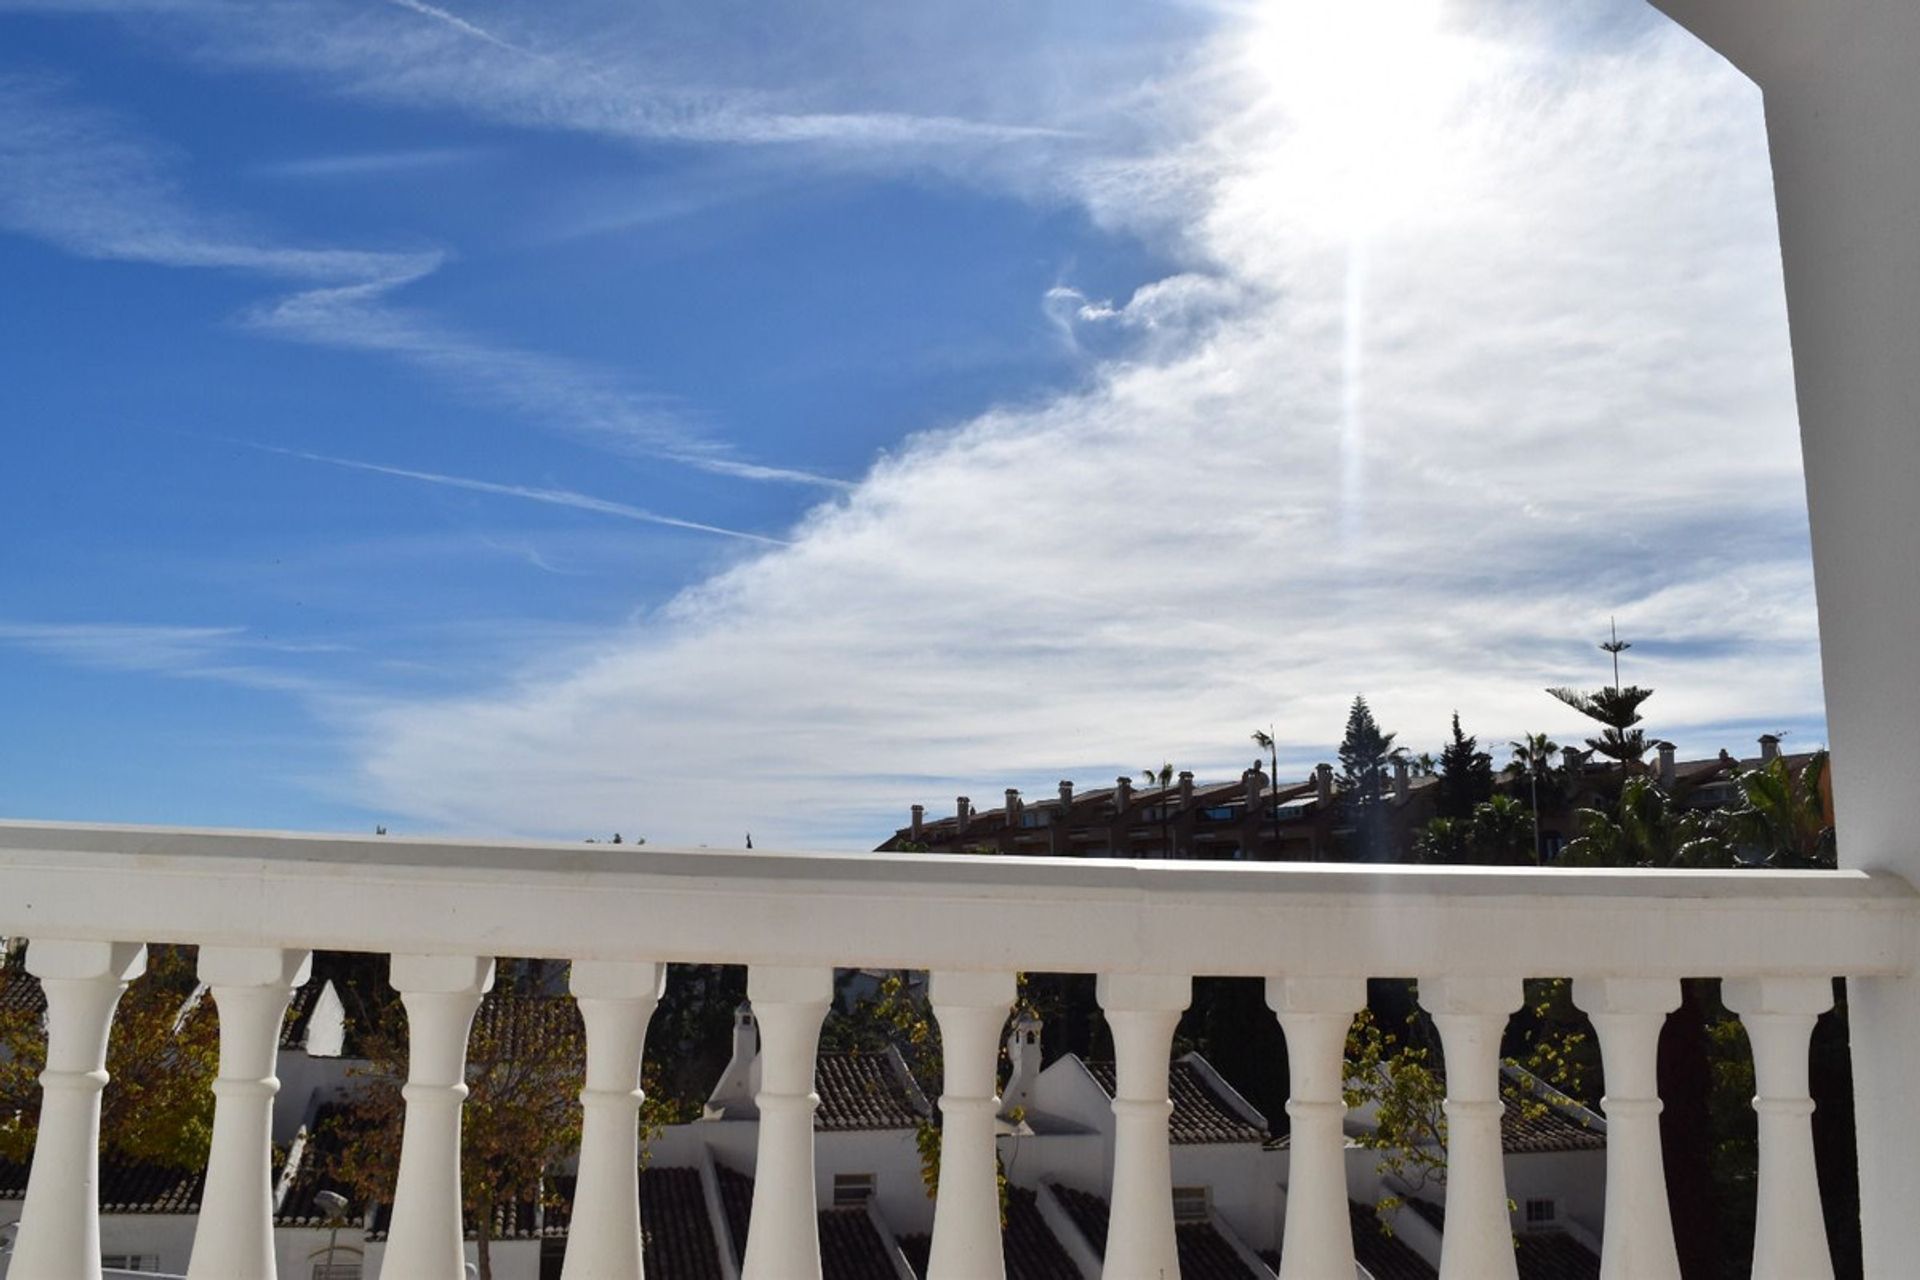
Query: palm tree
[[1533, 760], [1782, 818], [1264, 739], [1645, 831]]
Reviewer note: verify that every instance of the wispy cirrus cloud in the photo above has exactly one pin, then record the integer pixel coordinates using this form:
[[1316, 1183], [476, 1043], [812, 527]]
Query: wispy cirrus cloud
[[528, 493], [75, 177], [368, 164]]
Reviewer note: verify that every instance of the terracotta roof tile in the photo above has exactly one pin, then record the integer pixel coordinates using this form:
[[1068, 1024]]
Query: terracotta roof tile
[[1204, 1252], [1199, 1113], [1555, 1255], [865, 1091], [125, 1186], [850, 1246], [20, 992], [1385, 1257], [1027, 1245]]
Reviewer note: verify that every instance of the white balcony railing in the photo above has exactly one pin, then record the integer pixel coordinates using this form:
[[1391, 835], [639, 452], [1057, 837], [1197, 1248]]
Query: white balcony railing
[[88, 898]]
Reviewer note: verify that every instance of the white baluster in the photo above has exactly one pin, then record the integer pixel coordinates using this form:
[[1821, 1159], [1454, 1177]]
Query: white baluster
[[251, 986], [616, 1003], [1316, 1014], [1142, 1010], [971, 1008], [1471, 1014], [441, 994], [783, 1242], [1790, 1232], [1628, 1014], [60, 1222]]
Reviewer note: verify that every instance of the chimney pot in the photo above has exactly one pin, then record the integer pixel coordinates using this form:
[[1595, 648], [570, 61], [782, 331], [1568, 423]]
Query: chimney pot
[[1066, 795], [1669, 771], [1401, 786], [1323, 782], [1769, 748], [1186, 788], [1122, 793], [962, 814], [919, 819]]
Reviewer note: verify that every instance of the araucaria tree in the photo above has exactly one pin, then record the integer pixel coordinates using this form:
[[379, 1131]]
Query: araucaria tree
[[1615, 707], [1365, 754]]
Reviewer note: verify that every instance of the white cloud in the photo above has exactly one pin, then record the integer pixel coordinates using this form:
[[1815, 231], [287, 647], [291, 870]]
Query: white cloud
[[1548, 384]]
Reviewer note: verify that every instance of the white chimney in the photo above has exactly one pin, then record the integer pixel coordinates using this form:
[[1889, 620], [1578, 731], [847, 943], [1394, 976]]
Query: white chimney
[[1023, 1052], [732, 1098], [1769, 748]]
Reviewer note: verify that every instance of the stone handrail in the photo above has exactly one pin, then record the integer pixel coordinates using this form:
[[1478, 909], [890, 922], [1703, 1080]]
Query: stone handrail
[[257, 904]]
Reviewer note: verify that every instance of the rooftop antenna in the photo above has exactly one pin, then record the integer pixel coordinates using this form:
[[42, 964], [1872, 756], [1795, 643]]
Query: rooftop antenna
[[1615, 646]]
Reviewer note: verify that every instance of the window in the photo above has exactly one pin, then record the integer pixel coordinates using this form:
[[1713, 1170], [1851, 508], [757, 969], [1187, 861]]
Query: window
[[1192, 1204], [852, 1189], [1540, 1212]]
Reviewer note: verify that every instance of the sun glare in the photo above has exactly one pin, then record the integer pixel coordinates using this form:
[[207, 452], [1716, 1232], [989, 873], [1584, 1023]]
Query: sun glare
[[1364, 86]]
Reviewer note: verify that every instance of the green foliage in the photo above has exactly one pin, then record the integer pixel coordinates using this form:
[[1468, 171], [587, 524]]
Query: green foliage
[[1533, 765], [1365, 753], [1499, 833], [1466, 775], [1782, 818], [158, 1104], [1645, 830], [526, 1064], [1617, 709]]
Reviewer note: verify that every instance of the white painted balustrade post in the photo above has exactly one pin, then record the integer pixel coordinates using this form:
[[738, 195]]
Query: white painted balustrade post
[[1628, 1014], [783, 1240], [971, 1009], [1142, 1011], [60, 1221], [1316, 1015], [251, 987], [1790, 1232], [616, 1004], [441, 994], [1471, 1014]]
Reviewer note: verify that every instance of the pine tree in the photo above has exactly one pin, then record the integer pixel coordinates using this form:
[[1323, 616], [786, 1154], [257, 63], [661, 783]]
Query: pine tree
[[1466, 775], [1364, 756]]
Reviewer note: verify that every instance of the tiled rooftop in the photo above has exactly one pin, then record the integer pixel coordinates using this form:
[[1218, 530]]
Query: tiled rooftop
[[1385, 1257], [850, 1247], [865, 1091], [1199, 1113], [1204, 1252], [20, 991], [125, 1186], [1030, 1250], [1555, 1255]]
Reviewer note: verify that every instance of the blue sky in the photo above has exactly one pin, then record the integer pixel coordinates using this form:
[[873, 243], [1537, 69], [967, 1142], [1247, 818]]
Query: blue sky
[[693, 419]]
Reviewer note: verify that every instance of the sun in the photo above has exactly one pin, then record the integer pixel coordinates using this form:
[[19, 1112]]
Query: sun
[[1364, 88]]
